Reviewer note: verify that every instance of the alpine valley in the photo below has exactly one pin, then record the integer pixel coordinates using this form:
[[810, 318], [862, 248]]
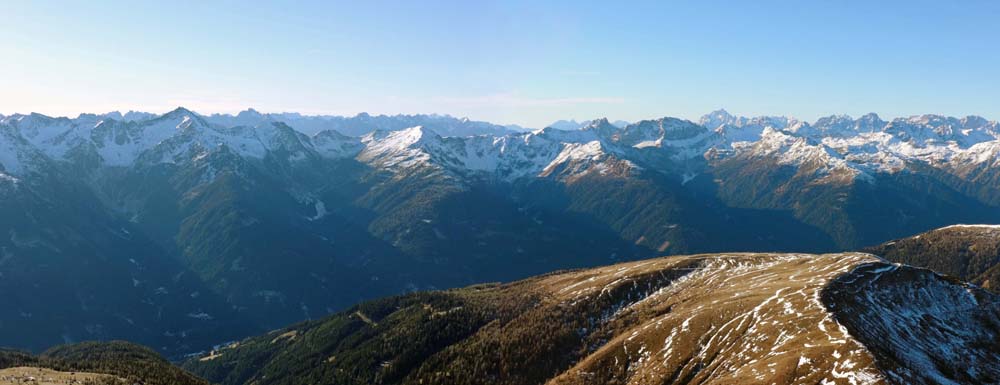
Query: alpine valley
[[181, 231]]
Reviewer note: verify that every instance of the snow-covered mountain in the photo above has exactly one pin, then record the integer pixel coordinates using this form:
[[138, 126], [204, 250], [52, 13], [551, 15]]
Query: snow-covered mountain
[[858, 147], [959, 153], [865, 145]]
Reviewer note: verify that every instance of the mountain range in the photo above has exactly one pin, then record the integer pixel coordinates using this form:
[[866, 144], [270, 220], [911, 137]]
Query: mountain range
[[181, 230]]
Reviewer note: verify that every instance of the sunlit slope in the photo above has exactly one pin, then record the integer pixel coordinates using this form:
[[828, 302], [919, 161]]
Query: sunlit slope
[[703, 319]]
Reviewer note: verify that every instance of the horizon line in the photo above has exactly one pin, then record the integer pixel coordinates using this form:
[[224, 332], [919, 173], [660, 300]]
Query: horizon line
[[790, 118]]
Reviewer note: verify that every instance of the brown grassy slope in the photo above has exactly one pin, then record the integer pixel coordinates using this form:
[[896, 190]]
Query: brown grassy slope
[[118, 359], [744, 319], [43, 376], [704, 319]]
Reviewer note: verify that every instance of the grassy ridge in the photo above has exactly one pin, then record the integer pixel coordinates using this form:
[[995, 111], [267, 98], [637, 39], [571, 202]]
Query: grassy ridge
[[971, 253], [132, 363]]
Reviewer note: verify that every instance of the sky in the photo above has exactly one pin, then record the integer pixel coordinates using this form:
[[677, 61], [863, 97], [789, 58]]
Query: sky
[[511, 62]]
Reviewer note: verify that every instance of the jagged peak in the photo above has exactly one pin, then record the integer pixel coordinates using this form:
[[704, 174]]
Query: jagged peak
[[179, 111], [137, 115], [116, 115], [720, 113], [974, 121], [672, 123], [184, 115], [721, 118], [598, 124], [831, 119], [249, 112], [565, 123], [871, 116], [869, 122], [665, 128], [88, 116], [716, 119], [555, 134]]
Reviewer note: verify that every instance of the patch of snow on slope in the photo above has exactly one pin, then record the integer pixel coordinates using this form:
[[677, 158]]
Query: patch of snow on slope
[[976, 226], [8, 178], [320, 211], [922, 327]]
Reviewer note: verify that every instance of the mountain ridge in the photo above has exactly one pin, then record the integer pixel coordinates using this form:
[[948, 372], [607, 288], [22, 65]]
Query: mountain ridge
[[969, 252], [866, 145]]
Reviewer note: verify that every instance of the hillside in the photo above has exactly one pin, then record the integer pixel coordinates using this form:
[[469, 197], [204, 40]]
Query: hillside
[[702, 319], [42, 376], [969, 252], [111, 363]]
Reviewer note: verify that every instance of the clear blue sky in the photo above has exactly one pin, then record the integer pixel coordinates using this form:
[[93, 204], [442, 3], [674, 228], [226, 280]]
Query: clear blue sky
[[526, 62]]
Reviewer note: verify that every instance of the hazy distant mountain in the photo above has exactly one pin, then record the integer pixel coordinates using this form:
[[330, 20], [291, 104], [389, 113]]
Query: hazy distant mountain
[[363, 123], [245, 223], [568, 125]]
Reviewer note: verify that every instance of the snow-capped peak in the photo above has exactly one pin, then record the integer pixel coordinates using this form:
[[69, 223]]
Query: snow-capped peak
[[411, 148], [869, 122], [400, 139], [716, 119], [178, 113]]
